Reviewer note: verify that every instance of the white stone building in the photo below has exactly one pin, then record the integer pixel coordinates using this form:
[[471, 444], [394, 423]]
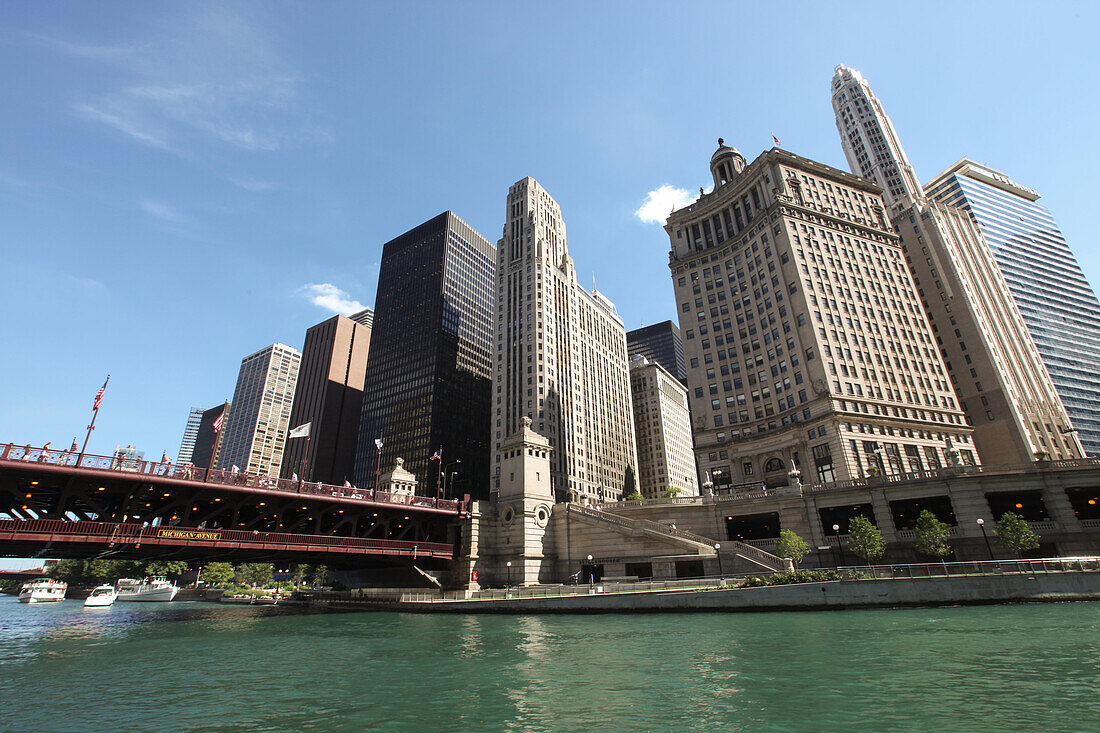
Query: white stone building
[[559, 357], [662, 425], [254, 433]]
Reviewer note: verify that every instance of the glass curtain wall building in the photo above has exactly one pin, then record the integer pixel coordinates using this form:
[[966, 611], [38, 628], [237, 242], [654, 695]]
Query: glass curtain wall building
[[428, 376], [190, 432], [1057, 304], [660, 343]]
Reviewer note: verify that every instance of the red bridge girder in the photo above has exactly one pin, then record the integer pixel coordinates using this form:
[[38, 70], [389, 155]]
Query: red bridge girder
[[127, 540]]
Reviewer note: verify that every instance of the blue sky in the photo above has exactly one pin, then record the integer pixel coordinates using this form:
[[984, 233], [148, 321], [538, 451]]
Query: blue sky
[[183, 184]]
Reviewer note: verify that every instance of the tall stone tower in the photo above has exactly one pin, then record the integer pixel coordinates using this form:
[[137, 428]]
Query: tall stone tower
[[524, 506], [994, 365], [870, 141], [560, 357]]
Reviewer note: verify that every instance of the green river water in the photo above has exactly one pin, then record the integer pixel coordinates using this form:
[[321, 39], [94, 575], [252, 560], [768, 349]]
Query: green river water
[[200, 667]]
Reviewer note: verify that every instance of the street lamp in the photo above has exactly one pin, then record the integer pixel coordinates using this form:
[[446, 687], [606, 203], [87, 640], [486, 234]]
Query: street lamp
[[836, 548], [981, 525], [509, 564], [445, 469], [591, 573], [717, 547]]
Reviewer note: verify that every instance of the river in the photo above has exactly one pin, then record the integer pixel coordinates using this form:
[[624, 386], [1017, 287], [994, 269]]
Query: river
[[203, 667]]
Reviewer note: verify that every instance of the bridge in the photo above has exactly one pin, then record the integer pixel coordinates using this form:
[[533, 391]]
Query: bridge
[[64, 504]]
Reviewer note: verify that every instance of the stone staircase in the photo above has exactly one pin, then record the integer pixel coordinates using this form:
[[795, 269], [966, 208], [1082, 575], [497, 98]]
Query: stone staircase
[[689, 540]]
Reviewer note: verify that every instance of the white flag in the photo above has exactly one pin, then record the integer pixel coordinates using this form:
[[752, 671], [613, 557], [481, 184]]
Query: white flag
[[302, 431], [235, 469]]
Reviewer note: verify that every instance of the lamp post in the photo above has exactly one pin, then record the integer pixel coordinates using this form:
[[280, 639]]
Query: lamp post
[[717, 548], [981, 525], [591, 573], [447, 468], [836, 549], [509, 564]]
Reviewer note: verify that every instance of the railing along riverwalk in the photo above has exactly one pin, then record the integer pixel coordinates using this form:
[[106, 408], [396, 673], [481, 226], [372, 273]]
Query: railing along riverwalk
[[978, 567], [179, 472]]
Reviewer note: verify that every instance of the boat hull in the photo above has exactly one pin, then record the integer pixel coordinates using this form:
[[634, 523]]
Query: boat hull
[[160, 595], [40, 597]]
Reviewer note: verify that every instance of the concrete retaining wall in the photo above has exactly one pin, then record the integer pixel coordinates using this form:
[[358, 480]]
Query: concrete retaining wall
[[982, 589]]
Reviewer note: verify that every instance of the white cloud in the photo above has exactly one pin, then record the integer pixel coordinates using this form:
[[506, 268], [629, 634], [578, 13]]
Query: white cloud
[[209, 73], [255, 185], [161, 210], [660, 202], [331, 297]]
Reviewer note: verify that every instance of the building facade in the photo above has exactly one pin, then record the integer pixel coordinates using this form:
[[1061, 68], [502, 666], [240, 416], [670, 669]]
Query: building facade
[[807, 347], [190, 432], [255, 429], [870, 141], [1057, 304], [328, 396], [1000, 380], [560, 357], [662, 427], [364, 317], [206, 439], [428, 376], [661, 343]]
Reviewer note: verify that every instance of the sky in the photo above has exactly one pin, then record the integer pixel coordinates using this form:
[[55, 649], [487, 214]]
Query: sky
[[183, 184]]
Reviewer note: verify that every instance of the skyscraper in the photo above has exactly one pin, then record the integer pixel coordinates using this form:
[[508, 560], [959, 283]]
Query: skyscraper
[[1054, 298], [427, 379], [662, 426], [560, 356], [1001, 382], [328, 396], [806, 344], [870, 141], [660, 343], [206, 440], [190, 431], [255, 429]]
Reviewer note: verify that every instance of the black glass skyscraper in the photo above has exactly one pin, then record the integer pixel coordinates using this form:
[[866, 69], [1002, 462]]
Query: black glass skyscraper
[[429, 376], [660, 343]]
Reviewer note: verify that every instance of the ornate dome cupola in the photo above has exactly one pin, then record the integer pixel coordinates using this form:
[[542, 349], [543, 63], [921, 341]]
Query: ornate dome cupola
[[726, 164]]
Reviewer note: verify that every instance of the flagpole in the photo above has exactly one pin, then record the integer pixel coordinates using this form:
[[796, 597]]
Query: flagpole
[[214, 450], [439, 474], [91, 426], [378, 464], [305, 461]]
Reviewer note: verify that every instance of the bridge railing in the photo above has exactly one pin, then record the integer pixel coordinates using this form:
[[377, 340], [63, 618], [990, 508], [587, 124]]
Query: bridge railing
[[136, 533], [221, 477]]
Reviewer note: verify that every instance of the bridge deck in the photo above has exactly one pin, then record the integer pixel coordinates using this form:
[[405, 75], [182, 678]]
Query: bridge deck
[[107, 535], [38, 460]]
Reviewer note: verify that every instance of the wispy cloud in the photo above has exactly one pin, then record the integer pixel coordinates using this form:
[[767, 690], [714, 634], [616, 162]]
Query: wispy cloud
[[211, 75], [161, 210], [660, 202], [254, 185], [85, 282], [332, 298]]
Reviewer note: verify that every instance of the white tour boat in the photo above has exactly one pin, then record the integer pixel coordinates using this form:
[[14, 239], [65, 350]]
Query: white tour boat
[[150, 589], [102, 595], [43, 590]]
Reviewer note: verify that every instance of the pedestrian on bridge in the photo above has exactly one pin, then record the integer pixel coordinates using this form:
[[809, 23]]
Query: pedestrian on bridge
[[43, 454]]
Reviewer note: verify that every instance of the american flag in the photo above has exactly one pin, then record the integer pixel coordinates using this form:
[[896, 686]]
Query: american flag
[[776, 141], [437, 456], [218, 422], [99, 394], [378, 443]]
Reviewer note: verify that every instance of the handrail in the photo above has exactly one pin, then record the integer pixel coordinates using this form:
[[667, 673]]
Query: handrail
[[130, 532], [26, 454]]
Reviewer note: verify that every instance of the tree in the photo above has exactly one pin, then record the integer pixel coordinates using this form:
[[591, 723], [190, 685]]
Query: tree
[[671, 492], [931, 536], [217, 572], [791, 545], [636, 496], [865, 539], [1013, 532], [258, 573], [169, 567]]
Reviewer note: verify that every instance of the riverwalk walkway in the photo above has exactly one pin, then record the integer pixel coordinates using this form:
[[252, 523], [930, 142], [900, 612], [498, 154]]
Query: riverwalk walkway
[[1001, 581]]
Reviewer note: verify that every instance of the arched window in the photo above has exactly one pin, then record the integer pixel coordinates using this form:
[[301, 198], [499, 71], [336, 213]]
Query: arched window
[[773, 464]]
